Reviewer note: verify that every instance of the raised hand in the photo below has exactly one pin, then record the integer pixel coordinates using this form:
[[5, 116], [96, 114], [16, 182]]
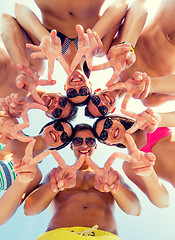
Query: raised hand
[[89, 45], [50, 48], [29, 80], [64, 176], [142, 163], [15, 106], [106, 178], [9, 130], [26, 168], [120, 58], [146, 120], [137, 87]]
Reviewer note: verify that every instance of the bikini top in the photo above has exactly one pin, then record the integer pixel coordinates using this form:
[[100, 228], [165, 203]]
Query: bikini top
[[154, 137]]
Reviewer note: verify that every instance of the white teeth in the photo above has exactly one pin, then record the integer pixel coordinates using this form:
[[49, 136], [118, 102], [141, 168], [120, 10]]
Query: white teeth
[[116, 133], [53, 136], [83, 152], [50, 103], [76, 80], [107, 98]]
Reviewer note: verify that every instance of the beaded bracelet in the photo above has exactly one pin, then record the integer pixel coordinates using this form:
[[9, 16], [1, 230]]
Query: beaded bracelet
[[131, 46]]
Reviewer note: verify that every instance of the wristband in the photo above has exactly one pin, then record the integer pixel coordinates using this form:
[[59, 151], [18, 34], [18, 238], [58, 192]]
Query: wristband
[[131, 46]]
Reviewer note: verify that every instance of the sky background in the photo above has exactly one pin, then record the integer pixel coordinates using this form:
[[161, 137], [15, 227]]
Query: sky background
[[152, 224]]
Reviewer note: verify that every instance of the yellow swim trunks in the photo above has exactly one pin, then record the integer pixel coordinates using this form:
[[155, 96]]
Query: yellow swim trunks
[[78, 233]]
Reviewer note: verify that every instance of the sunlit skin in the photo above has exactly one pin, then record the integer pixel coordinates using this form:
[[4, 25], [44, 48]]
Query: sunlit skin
[[51, 101], [108, 99], [76, 80], [116, 134], [84, 148]]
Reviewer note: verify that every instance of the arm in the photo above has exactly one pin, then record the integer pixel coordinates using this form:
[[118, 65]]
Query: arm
[[139, 168]]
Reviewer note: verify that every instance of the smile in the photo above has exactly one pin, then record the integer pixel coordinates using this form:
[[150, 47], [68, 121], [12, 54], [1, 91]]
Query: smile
[[108, 99], [53, 136], [116, 133], [76, 79], [85, 152]]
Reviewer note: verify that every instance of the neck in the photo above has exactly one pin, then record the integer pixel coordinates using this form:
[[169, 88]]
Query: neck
[[39, 146], [140, 138]]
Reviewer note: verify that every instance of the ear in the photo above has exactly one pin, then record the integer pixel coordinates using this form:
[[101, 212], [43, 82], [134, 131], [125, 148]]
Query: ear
[[65, 87], [71, 146]]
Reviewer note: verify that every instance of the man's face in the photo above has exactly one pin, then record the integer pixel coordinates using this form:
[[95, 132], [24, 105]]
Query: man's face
[[77, 86], [57, 105], [83, 148], [102, 102], [56, 134]]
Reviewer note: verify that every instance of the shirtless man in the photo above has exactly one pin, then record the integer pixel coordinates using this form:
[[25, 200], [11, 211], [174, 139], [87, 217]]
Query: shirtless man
[[155, 50], [75, 200]]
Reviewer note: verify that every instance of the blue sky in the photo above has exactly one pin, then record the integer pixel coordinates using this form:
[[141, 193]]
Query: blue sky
[[153, 223]]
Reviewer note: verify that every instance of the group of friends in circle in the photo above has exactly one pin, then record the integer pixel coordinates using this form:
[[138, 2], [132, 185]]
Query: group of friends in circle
[[142, 58]]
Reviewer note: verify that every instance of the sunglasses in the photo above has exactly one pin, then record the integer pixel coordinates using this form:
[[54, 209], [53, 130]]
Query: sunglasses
[[77, 141], [59, 127], [96, 101], [56, 113], [83, 91], [107, 124]]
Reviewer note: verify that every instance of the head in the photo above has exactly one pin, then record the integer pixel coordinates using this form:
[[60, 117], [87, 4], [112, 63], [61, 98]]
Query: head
[[78, 86], [111, 130], [57, 134], [59, 106], [101, 103], [84, 140]]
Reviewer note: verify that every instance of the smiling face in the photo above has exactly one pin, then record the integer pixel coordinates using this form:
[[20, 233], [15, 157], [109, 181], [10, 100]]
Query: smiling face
[[54, 138], [81, 85], [102, 102], [58, 106], [115, 132], [84, 148]]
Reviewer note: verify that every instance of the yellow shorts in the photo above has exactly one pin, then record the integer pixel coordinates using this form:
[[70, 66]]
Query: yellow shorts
[[77, 233]]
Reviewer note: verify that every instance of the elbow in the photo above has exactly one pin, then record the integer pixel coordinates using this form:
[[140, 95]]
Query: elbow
[[28, 209]]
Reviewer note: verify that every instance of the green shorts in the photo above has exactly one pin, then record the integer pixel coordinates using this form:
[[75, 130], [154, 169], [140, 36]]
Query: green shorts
[[77, 233]]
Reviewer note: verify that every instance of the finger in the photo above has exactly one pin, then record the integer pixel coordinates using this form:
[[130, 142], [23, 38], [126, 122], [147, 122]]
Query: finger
[[33, 47], [93, 165], [53, 180], [78, 164], [21, 137], [50, 68], [129, 114], [131, 144], [29, 149], [75, 61], [145, 93], [36, 106], [41, 156], [80, 32], [45, 82], [99, 42], [150, 156], [89, 60], [36, 97], [126, 99], [25, 117], [53, 36], [37, 55], [101, 66], [110, 161], [133, 128], [59, 159], [113, 78], [20, 127], [64, 64], [4, 106]]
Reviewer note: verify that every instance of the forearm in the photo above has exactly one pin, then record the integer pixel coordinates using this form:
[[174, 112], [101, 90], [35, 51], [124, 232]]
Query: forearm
[[156, 191], [13, 39], [30, 23], [127, 200], [164, 84], [133, 24], [11, 199], [166, 119], [39, 199], [111, 18]]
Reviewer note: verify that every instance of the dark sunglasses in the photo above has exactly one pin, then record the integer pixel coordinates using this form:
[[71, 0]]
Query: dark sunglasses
[[56, 113], [96, 101], [107, 124], [59, 127], [77, 141], [83, 91]]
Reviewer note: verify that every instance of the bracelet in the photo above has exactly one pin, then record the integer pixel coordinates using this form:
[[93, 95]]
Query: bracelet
[[131, 46]]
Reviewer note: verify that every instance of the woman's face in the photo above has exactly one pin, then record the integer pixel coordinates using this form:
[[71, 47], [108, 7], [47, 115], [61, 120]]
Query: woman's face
[[57, 105], [111, 131], [55, 138]]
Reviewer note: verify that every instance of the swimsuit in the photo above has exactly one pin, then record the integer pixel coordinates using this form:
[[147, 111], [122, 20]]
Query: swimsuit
[[77, 233], [154, 137], [7, 175], [65, 41]]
